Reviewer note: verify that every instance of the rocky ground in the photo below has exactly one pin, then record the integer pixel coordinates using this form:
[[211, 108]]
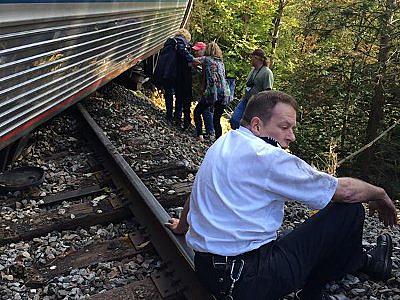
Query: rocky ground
[[141, 134], [131, 109], [15, 259], [60, 151]]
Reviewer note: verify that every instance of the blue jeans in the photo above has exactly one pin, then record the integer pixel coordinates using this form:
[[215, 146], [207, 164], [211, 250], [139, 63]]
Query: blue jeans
[[208, 120], [218, 111], [238, 114]]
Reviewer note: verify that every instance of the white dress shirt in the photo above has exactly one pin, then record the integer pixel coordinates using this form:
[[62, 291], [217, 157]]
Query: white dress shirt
[[238, 196]]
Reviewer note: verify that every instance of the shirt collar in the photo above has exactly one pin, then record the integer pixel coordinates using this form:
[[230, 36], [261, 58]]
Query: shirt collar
[[245, 130], [268, 140]]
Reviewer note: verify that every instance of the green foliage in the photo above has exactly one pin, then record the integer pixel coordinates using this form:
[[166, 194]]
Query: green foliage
[[328, 58], [237, 26]]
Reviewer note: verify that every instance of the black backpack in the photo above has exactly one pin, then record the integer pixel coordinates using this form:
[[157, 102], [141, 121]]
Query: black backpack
[[166, 69]]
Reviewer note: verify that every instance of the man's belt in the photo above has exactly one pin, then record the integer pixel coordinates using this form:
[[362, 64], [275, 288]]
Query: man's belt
[[226, 259]]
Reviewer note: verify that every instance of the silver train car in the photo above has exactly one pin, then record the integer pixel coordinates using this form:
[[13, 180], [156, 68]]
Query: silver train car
[[55, 52]]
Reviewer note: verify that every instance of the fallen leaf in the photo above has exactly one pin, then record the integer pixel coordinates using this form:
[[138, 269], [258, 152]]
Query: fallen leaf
[[127, 128]]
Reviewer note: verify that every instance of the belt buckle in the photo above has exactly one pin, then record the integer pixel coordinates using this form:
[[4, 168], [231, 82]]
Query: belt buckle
[[222, 264]]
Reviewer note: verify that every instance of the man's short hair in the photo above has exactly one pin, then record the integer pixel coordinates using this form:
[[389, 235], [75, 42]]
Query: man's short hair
[[262, 104]]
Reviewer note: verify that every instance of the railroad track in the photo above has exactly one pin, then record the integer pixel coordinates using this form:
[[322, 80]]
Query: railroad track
[[121, 259], [127, 199], [178, 275]]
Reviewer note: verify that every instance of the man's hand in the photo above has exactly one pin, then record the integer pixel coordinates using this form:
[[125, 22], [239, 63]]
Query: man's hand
[[196, 62], [176, 226], [386, 210], [352, 190]]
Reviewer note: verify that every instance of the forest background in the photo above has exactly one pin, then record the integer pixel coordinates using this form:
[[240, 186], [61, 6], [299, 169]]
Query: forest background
[[339, 58]]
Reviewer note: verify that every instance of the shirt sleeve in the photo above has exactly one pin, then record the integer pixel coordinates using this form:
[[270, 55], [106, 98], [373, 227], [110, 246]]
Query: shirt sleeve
[[183, 51], [268, 81], [294, 179]]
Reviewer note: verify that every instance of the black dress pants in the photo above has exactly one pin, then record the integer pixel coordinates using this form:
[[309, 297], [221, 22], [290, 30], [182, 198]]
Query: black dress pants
[[324, 248], [182, 104]]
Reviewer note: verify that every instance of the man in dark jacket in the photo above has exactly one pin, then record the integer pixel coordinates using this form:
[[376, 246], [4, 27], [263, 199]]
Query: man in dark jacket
[[165, 75], [173, 74], [183, 83]]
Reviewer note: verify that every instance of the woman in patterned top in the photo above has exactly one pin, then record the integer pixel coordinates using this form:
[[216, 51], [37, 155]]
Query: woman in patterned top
[[215, 89]]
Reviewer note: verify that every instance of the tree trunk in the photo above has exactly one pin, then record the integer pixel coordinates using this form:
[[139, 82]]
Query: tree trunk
[[275, 32], [350, 82], [378, 101]]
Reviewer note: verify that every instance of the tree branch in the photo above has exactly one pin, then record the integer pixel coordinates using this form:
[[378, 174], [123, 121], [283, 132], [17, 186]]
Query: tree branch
[[369, 144]]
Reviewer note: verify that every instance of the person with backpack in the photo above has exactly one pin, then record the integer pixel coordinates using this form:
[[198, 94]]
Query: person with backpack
[[183, 83], [199, 48], [259, 79], [173, 74], [216, 92]]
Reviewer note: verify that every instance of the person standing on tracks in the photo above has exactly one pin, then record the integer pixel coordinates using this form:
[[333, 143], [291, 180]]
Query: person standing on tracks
[[260, 79], [199, 49], [237, 206], [215, 89], [183, 83], [173, 74]]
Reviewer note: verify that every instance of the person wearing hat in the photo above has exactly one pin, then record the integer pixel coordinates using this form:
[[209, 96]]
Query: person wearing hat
[[259, 79], [206, 116], [199, 48]]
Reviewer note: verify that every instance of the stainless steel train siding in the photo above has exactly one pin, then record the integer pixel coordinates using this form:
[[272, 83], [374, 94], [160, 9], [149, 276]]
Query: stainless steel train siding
[[53, 54]]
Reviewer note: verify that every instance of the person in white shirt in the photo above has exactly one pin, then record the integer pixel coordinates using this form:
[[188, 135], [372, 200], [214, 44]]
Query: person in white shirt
[[237, 206]]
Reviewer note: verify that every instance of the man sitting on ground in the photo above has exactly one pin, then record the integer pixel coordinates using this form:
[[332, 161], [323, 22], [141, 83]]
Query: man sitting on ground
[[237, 206]]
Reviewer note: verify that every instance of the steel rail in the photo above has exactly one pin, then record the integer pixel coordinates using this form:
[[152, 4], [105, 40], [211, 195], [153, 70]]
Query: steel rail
[[177, 256]]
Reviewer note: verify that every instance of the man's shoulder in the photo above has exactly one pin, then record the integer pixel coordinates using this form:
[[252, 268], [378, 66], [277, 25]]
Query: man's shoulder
[[181, 41], [269, 71], [266, 71]]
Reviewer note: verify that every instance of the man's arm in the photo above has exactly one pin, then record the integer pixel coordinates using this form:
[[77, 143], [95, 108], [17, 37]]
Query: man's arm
[[180, 226], [351, 190], [183, 51]]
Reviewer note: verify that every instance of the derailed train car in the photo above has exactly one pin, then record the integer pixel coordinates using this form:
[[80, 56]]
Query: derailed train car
[[55, 52]]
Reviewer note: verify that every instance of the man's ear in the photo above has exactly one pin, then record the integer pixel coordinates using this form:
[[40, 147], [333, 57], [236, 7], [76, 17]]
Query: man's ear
[[255, 125]]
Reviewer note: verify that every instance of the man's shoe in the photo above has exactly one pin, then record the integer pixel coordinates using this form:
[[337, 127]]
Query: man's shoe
[[379, 260]]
